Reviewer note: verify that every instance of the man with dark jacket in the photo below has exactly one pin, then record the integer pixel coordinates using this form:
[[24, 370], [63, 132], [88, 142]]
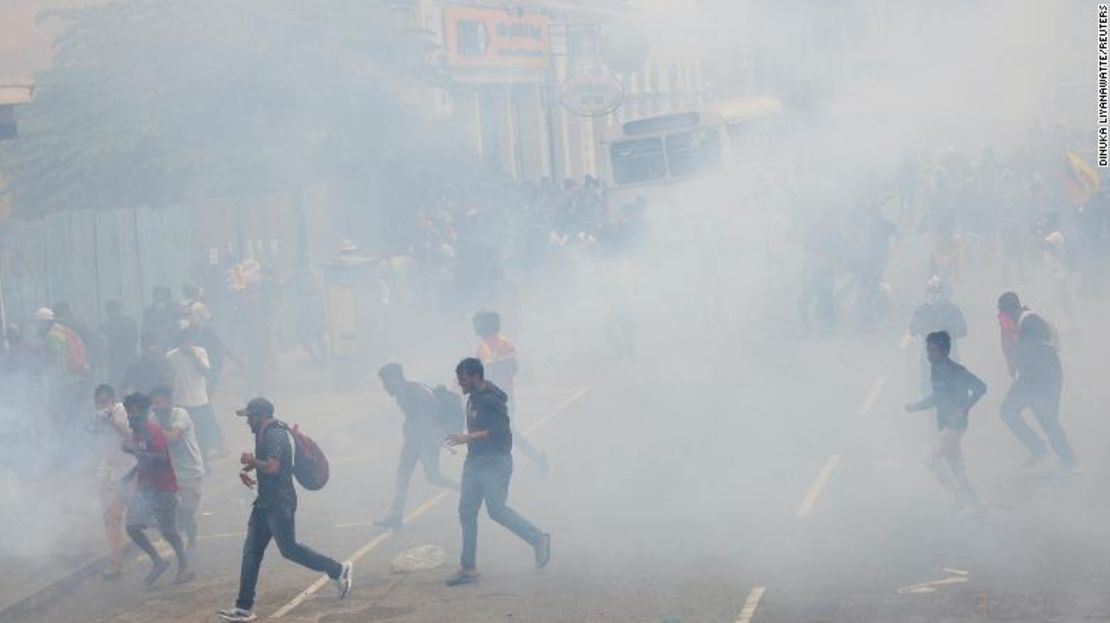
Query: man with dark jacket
[[423, 435], [487, 470], [954, 392], [1037, 387]]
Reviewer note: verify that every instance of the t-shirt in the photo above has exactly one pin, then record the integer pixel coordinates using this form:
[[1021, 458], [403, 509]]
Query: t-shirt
[[111, 431], [487, 410], [155, 472], [190, 385], [275, 490], [955, 390], [185, 452]]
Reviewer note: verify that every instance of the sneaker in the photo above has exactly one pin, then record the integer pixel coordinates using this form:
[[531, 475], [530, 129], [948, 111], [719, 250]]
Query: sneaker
[[236, 615], [184, 576], [464, 577], [389, 523], [346, 576], [155, 573], [543, 551], [1071, 470]]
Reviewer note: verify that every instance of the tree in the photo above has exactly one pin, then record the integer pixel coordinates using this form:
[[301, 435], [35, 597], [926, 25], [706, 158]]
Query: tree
[[154, 102]]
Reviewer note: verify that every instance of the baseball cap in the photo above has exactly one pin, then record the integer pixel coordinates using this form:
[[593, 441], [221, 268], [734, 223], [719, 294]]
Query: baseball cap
[[257, 406]]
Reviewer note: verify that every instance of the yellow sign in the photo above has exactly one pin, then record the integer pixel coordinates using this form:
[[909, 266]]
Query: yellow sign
[[478, 37]]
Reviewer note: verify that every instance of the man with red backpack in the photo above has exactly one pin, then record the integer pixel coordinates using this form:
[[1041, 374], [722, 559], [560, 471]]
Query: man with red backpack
[[274, 460]]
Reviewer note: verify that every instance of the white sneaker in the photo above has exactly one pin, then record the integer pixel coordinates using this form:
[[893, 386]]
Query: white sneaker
[[237, 615], [343, 582]]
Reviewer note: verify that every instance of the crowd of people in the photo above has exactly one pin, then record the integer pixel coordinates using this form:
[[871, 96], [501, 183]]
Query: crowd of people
[[1022, 218]]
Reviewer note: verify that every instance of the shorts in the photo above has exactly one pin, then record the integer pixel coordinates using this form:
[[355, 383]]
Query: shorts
[[157, 507]]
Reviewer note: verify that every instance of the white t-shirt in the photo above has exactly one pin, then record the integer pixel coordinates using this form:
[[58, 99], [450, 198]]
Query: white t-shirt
[[185, 452], [190, 385], [111, 430]]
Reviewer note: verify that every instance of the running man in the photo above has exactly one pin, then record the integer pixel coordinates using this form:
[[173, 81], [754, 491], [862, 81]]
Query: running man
[[155, 497], [423, 437], [273, 515], [188, 466], [1038, 385], [955, 392], [487, 470]]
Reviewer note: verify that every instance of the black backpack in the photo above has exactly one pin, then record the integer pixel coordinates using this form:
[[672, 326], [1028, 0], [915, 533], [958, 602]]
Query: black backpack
[[450, 414]]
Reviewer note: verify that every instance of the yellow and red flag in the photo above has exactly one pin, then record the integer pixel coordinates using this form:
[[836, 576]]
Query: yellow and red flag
[[1080, 179]]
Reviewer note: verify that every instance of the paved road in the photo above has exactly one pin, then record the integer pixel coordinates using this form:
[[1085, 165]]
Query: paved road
[[767, 481]]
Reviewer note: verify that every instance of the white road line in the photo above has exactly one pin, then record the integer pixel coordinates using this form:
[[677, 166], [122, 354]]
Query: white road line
[[557, 410], [814, 492], [872, 397], [751, 605], [222, 535], [416, 512]]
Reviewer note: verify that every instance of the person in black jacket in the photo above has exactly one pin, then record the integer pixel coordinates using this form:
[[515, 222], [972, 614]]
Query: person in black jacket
[[487, 470], [955, 392], [1037, 387], [423, 438]]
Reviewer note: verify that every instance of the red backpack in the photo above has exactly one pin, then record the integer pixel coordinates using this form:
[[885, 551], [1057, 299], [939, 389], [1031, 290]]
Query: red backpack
[[310, 465]]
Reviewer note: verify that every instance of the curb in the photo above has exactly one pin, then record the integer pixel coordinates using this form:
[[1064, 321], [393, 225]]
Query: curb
[[51, 590]]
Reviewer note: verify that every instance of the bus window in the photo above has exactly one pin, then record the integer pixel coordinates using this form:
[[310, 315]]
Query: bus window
[[690, 153], [638, 160]]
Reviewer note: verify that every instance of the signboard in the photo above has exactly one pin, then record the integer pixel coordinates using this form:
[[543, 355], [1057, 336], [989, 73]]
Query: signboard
[[592, 95], [481, 37]]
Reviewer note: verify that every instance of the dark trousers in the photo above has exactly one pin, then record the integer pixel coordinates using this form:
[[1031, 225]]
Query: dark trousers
[[209, 435], [278, 524], [486, 478], [1045, 405], [412, 452]]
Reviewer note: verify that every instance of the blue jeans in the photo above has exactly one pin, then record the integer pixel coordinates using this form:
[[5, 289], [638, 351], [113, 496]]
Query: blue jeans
[[278, 524], [415, 451], [487, 478], [1044, 402]]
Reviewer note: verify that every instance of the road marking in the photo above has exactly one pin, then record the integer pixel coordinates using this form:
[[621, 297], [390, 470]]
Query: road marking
[[955, 577], [811, 496], [872, 397], [222, 535], [557, 410], [416, 512], [751, 605]]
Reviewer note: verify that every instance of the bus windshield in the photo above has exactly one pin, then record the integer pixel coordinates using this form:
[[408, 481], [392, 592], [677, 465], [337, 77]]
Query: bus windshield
[[638, 160], [694, 152]]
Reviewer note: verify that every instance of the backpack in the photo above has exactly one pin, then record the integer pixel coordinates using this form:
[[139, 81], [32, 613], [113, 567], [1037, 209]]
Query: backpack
[[450, 414], [310, 465]]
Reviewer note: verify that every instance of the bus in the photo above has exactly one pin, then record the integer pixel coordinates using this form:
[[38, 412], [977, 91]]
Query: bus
[[694, 168], [721, 138]]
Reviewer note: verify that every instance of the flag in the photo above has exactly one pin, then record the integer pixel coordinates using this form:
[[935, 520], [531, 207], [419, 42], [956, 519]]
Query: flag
[[1080, 179]]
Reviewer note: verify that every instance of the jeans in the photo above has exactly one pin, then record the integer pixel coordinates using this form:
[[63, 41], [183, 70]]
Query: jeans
[[1045, 405], [412, 452], [278, 524], [487, 478]]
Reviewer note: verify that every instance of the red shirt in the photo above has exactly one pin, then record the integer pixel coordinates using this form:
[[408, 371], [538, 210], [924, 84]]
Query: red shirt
[[155, 472]]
